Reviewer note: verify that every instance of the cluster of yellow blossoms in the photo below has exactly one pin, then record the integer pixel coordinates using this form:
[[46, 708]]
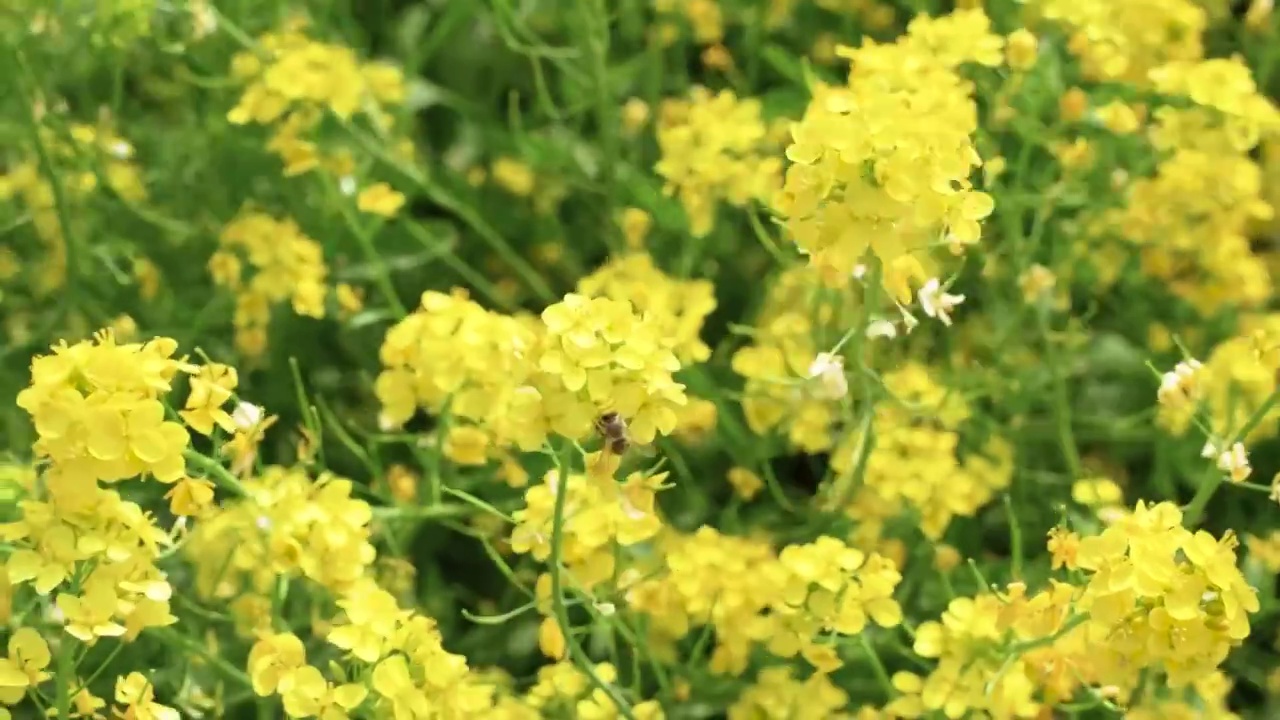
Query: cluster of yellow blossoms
[[1155, 597], [791, 602], [677, 307], [1230, 386], [1119, 41], [776, 364], [1192, 218], [910, 459], [99, 410], [883, 163], [512, 381], [600, 517], [286, 264], [409, 672], [715, 148], [85, 158], [291, 80]]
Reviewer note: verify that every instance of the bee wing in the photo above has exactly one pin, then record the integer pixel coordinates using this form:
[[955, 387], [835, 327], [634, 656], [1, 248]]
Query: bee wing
[[644, 449]]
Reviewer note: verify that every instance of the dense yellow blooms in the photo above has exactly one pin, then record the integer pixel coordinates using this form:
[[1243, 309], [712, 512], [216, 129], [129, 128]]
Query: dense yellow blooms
[[85, 158], [1124, 41], [285, 264], [291, 81], [883, 163], [715, 147], [880, 328]]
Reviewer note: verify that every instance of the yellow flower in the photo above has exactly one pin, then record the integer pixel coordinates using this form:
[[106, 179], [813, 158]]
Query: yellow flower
[[273, 658], [745, 483], [380, 199], [210, 390], [89, 616], [306, 693], [137, 693], [25, 666]]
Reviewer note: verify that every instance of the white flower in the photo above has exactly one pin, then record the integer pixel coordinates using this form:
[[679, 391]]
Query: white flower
[[882, 328], [347, 185], [1179, 385], [829, 370], [121, 150], [936, 303], [1235, 463], [246, 416], [859, 271]]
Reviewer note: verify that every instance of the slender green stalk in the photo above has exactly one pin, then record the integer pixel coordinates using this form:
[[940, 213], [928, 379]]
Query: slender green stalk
[[877, 667], [173, 638], [1194, 511], [66, 676], [215, 471], [1061, 403], [72, 251], [576, 653], [1015, 538]]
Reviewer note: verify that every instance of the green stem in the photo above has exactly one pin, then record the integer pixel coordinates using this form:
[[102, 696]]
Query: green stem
[[66, 676], [426, 512], [62, 209], [876, 666], [440, 196], [576, 653], [1061, 403], [173, 638], [214, 470], [381, 274], [1015, 538], [1194, 511]]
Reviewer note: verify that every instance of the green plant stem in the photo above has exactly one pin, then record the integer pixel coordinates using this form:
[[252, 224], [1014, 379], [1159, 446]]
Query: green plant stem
[[1015, 538], [381, 274], [1061, 403], [214, 470], [1194, 511], [876, 666], [173, 638], [66, 676], [576, 653], [29, 92]]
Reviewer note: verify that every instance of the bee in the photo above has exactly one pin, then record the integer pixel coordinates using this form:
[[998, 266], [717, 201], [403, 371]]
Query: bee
[[613, 431]]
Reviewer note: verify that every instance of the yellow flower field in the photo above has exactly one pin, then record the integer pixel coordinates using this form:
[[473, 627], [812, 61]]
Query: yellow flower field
[[746, 359]]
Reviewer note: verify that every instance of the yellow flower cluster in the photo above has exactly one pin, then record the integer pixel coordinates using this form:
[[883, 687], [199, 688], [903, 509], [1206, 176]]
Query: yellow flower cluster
[[291, 80], [410, 673], [913, 463], [715, 147], [788, 602], [777, 693], [93, 156], [563, 689], [883, 163], [1232, 384], [1192, 219], [1161, 596], [286, 264], [287, 525], [677, 307], [704, 17], [98, 408], [519, 379], [776, 363], [971, 675], [452, 351], [1125, 41], [600, 517]]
